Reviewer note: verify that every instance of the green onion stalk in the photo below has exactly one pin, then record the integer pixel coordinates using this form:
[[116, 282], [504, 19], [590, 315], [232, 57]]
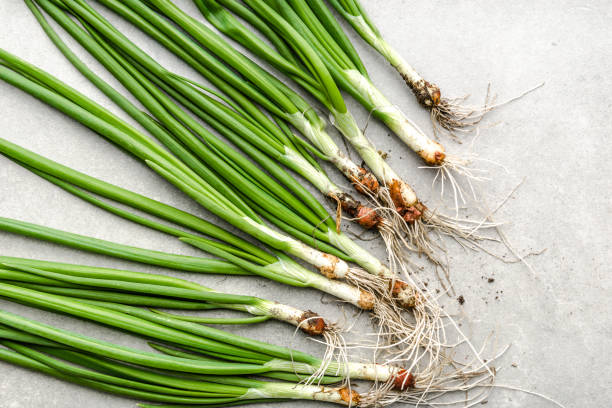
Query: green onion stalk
[[172, 117], [280, 271], [383, 283], [397, 329], [147, 290], [314, 21], [249, 128], [446, 114], [285, 105], [199, 365], [208, 189], [132, 288], [327, 44]]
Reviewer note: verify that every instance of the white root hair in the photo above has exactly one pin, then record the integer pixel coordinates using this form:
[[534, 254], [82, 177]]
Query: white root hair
[[435, 386], [390, 228], [335, 355], [453, 118], [451, 172], [416, 236]]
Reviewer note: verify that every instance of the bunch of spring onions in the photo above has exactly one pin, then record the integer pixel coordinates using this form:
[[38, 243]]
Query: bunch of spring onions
[[285, 106], [192, 348], [221, 158], [384, 285], [316, 26], [154, 291], [254, 83], [395, 328], [248, 128], [197, 365], [213, 193], [254, 111], [191, 264], [397, 194], [214, 201]]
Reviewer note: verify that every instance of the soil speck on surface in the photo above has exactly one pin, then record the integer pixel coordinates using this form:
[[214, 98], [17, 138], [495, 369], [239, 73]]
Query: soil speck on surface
[[461, 299]]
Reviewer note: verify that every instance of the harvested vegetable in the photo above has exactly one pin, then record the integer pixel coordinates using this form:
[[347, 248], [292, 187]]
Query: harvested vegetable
[[243, 127], [164, 110], [397, 330], [446, 114], [299, 278], [212, 380], [212, 356], [401, 333], [142, 289], [217, 196], [311, 41]]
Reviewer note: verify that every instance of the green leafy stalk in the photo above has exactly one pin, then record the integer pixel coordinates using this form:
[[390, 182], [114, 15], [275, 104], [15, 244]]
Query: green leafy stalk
[[69, 369], [219, 391], [349, 77], [222, 351], [284, 270], [239, 88], [279, 267], [81, 280], [158, 258], [68, 374], [230, 120], [354, 81], [179, 175], [126, 354]]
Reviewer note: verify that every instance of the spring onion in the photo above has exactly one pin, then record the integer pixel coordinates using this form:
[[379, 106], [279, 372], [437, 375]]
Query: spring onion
[[400, 290], [446, 114], [143, 289], [231, 208], [234, 211], [388, 230], [286, 106], [281, 271], [316, 24]]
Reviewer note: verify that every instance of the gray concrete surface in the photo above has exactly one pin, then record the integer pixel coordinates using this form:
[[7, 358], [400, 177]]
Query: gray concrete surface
[[556, 318]]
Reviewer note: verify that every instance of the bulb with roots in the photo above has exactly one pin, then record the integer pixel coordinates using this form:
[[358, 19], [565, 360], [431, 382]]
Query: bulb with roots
[[435, 381], [447, 115], [410, 328], [416, 222], [394, 384], [409, 323], [429, 389], [363, 215], [451, 115]]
